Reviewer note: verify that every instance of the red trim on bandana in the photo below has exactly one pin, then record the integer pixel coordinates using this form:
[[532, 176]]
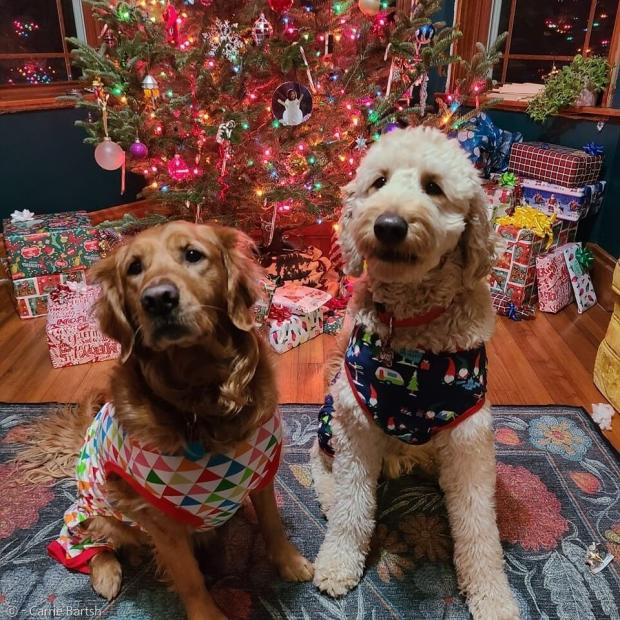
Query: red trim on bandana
[[79, 563]]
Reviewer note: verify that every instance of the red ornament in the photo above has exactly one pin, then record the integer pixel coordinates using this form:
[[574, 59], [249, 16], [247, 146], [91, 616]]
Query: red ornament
[[280, 6], [170, 16], [178, 168]]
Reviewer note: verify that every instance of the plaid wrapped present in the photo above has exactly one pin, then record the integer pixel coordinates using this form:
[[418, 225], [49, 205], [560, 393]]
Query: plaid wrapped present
[[31, 293], [73, 334], [568, 203], [556, 164], [554, 289], [504, 307], [50, 243], [287, 330], [514, 273]]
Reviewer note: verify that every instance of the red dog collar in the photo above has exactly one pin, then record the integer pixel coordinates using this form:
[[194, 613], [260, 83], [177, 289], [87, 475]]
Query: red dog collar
[[412, 321]]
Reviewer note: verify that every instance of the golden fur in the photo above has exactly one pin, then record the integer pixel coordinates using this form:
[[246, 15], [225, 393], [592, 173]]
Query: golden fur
[[199, 373]]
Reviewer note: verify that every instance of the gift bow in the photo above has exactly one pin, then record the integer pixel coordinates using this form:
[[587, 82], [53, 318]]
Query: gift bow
[[532, 219], [584, 257], [279, 314], [337, 303], [22, 216], [592, 148], [508, 179]]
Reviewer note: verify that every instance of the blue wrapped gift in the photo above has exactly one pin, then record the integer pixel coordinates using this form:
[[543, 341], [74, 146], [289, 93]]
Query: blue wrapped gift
[[569, 203], [488, 146]]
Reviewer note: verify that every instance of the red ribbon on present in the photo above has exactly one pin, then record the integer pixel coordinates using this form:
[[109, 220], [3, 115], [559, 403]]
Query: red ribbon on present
[[337, 303], [279, 314]]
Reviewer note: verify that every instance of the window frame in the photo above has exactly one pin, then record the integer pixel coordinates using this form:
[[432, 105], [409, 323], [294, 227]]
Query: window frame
[[473, 18], [23, 97]]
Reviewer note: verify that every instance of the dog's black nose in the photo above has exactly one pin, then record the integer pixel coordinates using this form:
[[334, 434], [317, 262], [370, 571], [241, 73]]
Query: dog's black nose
[[160, 299], [390, 228]]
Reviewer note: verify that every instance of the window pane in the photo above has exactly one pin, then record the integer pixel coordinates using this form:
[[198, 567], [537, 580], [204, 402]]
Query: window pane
[[550, 27], [603, 27], [530, 70], [29, 26], [34, 71]]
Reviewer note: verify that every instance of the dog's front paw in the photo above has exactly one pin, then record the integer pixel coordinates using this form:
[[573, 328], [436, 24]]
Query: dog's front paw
[[337, 572], [106, 575], [291, 565], [493, 604]]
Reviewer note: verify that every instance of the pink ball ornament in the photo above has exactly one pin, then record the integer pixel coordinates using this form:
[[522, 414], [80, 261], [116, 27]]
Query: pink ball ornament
[[280, 6], [138, 150], [369, 7], [109, 155], [178, 168]]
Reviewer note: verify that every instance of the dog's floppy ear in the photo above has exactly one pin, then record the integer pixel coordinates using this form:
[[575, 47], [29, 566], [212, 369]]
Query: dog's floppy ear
[[242, 275], [110, 307], [353, 262], [478, 242]]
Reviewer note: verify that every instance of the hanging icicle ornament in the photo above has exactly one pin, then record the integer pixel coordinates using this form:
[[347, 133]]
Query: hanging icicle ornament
[[223, 137], [224, 36], [423, 84], [262, 30], [150, 87], [109, 155]]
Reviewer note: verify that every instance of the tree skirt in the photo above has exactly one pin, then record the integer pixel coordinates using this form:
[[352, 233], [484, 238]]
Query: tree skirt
[[558, 491]]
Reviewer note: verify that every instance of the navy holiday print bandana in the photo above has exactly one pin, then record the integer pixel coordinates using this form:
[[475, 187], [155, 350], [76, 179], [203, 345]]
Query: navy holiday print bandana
[[415, 396]]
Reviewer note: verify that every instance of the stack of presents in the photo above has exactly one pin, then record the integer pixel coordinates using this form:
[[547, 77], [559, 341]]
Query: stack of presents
[[48, 256], [538, 193]]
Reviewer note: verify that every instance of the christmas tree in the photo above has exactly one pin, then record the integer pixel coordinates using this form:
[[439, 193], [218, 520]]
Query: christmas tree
[[256, 112]]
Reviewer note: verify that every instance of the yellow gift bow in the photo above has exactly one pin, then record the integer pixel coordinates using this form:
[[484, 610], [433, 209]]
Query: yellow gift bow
[[532, 219]]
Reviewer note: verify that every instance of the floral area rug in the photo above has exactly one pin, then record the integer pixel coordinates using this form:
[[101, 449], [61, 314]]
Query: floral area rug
[[558, 490]]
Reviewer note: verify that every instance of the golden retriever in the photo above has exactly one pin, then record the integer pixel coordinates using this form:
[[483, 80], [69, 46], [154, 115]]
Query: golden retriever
[[194, 375]]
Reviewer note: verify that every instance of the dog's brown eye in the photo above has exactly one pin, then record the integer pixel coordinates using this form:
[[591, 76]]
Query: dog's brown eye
[[193, 256], [432, 189], [135, 268], [379, 183]]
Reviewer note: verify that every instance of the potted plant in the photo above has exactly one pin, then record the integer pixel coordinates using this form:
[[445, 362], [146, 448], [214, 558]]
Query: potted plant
[[575, 84]]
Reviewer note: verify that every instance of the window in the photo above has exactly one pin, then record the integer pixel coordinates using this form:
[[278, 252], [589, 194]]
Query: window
[[547, 34], [543, 34], [35, 61]]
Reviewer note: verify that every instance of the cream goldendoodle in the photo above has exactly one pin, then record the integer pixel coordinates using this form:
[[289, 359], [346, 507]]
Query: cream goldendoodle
[[411, 387]]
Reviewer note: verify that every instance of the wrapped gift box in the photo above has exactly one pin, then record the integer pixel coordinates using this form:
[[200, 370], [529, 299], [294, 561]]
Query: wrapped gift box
[[31, 293], [514, 273], [554, 288], [579, 278], [556, 164], [287, 330], [50, 243], [263, 305], [568, 203], [503, 193], [300, 299], [73, 334]]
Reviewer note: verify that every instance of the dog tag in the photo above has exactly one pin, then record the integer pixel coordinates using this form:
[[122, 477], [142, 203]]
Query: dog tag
[[386, 355], [194, 451]]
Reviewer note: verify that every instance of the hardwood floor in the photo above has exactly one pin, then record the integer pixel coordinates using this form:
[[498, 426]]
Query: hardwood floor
[[545, 361]]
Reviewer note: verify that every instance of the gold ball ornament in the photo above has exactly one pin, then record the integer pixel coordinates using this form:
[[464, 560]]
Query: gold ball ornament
[[296, 164], [369, 7]]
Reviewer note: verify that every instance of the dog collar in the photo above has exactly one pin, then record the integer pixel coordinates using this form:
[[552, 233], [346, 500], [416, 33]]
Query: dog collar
[[413, 321]]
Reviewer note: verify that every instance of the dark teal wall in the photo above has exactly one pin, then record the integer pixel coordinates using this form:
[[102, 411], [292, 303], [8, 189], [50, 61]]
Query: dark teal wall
[[45, 167]]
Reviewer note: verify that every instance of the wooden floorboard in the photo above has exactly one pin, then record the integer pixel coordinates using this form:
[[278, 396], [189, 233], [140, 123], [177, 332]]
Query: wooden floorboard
[[545, 361]]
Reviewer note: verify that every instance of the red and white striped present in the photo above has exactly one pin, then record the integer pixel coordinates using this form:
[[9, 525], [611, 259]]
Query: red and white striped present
[[73, 334], [556, 164]]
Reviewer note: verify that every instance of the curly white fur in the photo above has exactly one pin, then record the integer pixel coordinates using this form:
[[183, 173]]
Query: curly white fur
[[442, 262]]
